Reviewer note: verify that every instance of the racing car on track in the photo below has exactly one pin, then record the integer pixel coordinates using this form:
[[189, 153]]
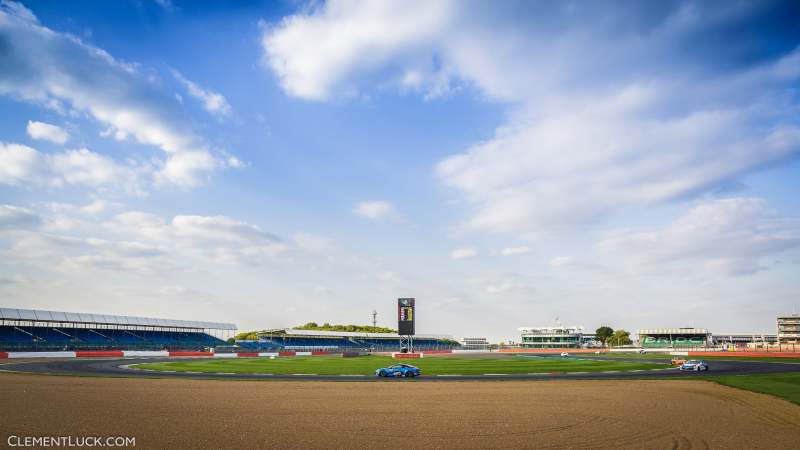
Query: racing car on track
[[398, 370], [695, 365]]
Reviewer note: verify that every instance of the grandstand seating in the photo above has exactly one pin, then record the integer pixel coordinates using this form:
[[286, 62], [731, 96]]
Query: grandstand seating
[[27, 338], [324, 343]]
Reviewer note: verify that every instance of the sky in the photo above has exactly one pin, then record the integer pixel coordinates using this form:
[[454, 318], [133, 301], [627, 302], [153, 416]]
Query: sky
[[507, 164]]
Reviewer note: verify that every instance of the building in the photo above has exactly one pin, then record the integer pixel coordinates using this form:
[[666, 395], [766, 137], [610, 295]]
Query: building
[[789, 329], [590, 340], [742, 339], [475, 343], [37, 330], [674, 337], [551, 337]]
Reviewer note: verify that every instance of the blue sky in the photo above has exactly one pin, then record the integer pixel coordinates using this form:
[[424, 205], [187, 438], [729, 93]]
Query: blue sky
[[276, 163]]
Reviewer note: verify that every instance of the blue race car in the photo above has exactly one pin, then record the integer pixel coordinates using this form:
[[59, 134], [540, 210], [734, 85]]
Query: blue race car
[[398, 370], [695, 365]]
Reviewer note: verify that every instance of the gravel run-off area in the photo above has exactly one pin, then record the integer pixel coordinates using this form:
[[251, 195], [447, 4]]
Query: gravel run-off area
[[166, 413]]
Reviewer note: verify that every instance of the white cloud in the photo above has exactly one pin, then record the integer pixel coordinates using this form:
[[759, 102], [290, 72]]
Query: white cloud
[[375, 209], [60, 71], [47, 132], [22, 165], [511, 285], [543, 175], [213, 102], [79, 240], [313, 243], [736, 236], [184, 168], [98, 206], [561, 261], [656, 121], [217, 238], [509, 251], [503, 288], [82, 166], [16, 217], [313, 54], [463, 253]]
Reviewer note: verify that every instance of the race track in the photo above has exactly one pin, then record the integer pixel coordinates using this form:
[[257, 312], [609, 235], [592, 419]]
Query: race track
[[120, 367]]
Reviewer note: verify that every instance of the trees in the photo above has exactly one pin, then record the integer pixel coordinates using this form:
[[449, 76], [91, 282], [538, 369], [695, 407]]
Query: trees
[[351, 328], [620, 337], [604, 333], [247, 336]]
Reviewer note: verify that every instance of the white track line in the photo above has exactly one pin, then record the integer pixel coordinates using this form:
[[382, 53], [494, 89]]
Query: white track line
[[495, 374], [450, 375], [352, 375]]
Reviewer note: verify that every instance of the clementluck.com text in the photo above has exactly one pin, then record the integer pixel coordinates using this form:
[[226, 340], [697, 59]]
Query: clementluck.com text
[[71, 441]]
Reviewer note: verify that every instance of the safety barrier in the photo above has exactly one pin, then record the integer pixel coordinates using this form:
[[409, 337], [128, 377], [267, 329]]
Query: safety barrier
[[548, 350], [749, 354], [41, 354], [145, 353], [140, 353], [398, 355], [191, 354], [99, 354]]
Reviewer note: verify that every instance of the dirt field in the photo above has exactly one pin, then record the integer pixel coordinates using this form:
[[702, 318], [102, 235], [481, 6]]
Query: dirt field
[[244, 414]]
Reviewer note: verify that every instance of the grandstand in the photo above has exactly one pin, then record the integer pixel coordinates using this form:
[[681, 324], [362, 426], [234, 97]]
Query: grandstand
[[35, 330], [674, 338], [292, 339]]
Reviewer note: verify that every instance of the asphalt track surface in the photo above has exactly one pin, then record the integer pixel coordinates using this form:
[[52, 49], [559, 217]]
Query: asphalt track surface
[[120, 367]]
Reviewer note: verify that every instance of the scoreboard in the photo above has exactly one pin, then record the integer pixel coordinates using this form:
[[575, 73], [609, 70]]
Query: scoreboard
[[405, 316]]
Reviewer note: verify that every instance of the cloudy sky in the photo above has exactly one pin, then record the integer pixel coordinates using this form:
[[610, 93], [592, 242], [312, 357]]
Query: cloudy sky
[[507, 164]]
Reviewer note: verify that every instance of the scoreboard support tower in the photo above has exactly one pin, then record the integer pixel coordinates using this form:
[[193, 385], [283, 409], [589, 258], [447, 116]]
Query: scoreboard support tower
[[405, 323], [407, 342]]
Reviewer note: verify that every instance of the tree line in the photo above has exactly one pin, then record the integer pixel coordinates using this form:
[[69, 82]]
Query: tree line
[[613, 338]]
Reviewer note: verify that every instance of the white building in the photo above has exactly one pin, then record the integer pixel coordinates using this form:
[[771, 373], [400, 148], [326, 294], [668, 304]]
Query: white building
[[551, 337], [475, 343], [789, 329]]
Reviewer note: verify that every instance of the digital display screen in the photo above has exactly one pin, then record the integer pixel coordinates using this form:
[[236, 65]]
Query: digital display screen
[[405, 316]]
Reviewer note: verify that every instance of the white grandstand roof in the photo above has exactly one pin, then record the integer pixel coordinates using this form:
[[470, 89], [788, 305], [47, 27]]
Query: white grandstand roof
[[292, 331], [672, 331], [105, 319], [573, 328]]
